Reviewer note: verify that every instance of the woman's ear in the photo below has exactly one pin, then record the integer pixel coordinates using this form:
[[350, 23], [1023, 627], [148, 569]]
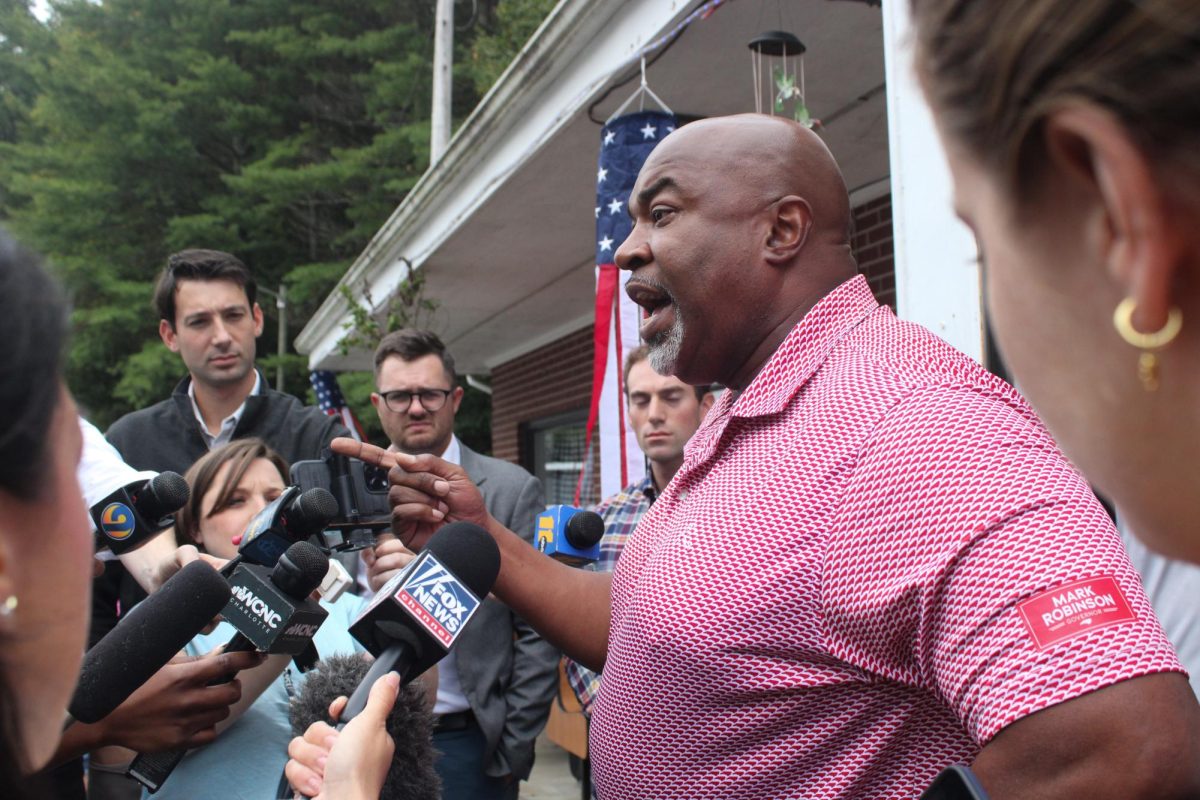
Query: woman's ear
[[790, 225], [1136, 228]]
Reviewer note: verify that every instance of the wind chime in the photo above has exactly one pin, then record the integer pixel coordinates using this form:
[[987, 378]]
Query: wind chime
[[777, 64]]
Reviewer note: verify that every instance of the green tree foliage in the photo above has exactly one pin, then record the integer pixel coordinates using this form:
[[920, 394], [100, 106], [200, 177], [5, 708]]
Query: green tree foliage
[[514, 22], [285, 131]]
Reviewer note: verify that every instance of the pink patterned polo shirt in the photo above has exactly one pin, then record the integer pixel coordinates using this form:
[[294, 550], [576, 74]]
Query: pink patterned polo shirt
[[872, 560]]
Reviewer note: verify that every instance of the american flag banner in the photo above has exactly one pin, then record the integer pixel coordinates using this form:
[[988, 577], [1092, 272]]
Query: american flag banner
[[625, 142], [331, 400]]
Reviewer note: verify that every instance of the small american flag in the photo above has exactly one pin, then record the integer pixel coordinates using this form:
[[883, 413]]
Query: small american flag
[[331, 400]]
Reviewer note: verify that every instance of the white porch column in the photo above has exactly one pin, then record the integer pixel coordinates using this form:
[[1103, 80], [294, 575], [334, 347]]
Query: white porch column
[[937, 282]]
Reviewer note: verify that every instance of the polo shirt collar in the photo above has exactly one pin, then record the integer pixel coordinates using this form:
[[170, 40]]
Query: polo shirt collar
[[805, 349], [230, 423]]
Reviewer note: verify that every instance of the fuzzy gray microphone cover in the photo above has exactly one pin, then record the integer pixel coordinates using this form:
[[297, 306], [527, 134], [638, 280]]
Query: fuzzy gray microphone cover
[[411, 776]]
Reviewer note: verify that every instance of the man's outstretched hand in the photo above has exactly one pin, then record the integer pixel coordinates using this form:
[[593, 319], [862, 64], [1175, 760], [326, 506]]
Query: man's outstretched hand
[[426, 492]]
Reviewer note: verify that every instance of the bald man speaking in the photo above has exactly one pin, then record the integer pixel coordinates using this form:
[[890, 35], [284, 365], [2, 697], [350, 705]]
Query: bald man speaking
[[874, 562]]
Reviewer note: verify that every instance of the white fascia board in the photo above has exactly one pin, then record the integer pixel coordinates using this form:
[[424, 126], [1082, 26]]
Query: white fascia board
[[936, 285], [568, 61]]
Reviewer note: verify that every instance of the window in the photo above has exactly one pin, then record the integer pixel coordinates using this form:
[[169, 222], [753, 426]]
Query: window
[[553, 450]]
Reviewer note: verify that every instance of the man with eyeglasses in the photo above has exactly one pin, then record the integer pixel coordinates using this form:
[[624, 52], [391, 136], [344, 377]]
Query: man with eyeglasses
[[495, 687]]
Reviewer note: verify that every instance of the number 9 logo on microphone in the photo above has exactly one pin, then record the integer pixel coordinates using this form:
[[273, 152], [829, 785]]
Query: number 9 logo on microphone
[[117, 521]]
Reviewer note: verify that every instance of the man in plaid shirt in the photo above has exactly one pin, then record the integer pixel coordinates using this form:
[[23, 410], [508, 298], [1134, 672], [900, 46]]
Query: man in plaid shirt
[[664, 412]]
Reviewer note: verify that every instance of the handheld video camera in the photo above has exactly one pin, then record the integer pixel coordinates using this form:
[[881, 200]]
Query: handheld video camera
[[361, 493]]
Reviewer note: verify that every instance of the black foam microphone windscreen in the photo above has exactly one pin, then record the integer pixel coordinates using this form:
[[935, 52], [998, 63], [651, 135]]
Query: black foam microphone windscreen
[[162, 496], [411, 775], [584, 530], [470, 553], [146, 638], [311, 511]]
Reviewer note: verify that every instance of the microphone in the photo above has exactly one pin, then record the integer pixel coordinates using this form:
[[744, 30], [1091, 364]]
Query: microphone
[[145, 639], [411, 775], [292, 517], [272, 613], [417, 616], [569, 535], [137, 512]]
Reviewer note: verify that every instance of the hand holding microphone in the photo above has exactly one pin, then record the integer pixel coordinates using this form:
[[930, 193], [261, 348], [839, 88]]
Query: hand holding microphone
[[410, 775], [178, 706], [130, 691], [146, 638], [413, 622], [272, 612], [351, 763]]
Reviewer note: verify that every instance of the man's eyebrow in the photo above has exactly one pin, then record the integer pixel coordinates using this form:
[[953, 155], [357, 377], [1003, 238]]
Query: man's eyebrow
[[647, 194], [208, 312]]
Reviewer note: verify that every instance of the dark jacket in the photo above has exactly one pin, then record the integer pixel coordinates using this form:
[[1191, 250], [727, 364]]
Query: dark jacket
[[166, 436]]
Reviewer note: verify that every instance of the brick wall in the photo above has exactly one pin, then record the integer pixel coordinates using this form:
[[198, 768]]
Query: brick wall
[[550, 380], [871, 243]]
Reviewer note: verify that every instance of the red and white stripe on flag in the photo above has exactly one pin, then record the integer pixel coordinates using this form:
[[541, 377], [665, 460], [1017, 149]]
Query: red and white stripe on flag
[[625, 142], [621, 460]]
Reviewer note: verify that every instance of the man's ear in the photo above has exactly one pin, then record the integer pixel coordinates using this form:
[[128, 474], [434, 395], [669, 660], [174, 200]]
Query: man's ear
[[706, 403], [166, 332], [791, 222], [456, 396], [1133, 226], [256, 311], [376, 400]]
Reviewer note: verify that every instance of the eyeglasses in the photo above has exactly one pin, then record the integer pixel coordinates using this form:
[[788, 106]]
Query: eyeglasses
[[400, 400]]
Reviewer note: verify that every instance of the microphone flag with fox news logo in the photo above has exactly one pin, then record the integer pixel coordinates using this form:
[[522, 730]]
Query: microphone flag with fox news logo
[[425, 600]]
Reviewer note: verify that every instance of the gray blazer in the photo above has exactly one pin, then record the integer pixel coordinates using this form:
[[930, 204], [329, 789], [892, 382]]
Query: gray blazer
[[508, 672]]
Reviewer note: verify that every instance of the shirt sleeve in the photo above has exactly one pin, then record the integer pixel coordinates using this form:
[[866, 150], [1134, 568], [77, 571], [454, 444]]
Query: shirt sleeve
[[101, 469], [981, 567]]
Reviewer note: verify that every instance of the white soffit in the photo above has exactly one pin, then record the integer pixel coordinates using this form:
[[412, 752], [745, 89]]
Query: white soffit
[[503, 226]]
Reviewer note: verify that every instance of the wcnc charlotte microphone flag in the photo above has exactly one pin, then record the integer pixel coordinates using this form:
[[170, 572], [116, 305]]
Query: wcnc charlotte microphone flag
[[625, 142]]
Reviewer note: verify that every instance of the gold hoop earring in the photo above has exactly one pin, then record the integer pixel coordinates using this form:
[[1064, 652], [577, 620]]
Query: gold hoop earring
[[1146, 342]]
